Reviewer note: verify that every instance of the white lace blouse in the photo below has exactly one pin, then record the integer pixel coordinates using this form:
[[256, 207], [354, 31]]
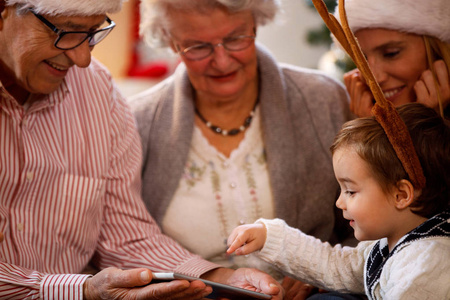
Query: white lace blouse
[[216, 194]]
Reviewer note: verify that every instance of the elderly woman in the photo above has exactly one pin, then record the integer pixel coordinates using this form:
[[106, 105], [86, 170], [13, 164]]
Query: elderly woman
[[233, 136], [407, 45]]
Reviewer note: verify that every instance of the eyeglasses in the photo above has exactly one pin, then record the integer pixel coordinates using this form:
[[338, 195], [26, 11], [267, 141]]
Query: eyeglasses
[[201, 51], [67, 40]]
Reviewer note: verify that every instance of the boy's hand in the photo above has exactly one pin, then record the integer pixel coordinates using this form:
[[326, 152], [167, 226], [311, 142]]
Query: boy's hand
[[246, 239]]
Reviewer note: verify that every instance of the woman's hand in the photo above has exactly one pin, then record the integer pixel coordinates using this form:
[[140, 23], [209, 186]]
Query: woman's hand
[[247, 278], [246, 239], [113, 283], [425, 87], [296, 289], [361, 99]]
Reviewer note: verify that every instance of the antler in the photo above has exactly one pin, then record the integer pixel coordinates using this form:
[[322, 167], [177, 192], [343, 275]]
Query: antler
[[334, 26], [383, 110]]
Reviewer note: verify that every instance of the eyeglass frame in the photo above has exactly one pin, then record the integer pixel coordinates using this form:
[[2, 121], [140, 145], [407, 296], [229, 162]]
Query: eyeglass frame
[[212, 47], [61, 32]]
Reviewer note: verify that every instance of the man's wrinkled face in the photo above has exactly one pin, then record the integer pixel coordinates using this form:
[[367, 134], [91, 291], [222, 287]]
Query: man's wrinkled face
[[29, 58]]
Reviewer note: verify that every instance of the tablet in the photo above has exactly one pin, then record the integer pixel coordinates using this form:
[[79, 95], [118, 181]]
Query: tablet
[[219, 289]]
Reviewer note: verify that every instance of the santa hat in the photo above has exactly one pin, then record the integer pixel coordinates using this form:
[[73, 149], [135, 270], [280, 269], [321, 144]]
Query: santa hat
[[70, 7], [422, 17]]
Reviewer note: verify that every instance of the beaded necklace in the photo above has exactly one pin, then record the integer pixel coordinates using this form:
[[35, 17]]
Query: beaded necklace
[[230, 132]]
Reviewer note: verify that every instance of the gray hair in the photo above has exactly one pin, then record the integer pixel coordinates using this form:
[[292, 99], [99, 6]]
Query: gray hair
[[154, 21]]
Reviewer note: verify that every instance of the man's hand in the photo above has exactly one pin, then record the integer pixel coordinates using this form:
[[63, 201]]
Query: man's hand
[[113, 283]]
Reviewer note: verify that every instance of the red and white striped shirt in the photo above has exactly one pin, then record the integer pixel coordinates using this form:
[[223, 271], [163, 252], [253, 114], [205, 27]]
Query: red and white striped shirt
[[70, 191]]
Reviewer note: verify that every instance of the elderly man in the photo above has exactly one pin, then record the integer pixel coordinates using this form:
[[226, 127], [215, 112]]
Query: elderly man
[[70, 165]]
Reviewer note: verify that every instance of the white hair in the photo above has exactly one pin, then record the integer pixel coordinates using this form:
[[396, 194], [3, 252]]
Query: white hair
[[154, 21], [69, 7]]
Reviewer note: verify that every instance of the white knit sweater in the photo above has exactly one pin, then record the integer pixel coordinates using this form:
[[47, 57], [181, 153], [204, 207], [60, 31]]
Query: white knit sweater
[[419, 271]]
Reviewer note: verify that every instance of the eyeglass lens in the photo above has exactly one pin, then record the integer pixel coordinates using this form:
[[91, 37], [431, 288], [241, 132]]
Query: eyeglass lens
[[201, 51], [68, 40]]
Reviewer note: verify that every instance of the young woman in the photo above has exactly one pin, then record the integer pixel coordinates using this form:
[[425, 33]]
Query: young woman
[[407, 46]]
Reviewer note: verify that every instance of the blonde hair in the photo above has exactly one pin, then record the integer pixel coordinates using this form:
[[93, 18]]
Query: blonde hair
[[436, 50]]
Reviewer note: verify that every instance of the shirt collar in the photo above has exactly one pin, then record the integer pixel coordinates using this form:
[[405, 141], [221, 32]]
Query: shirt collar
[[49, 100]]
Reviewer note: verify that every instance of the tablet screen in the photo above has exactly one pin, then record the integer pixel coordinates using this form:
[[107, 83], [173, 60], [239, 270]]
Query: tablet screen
[[219, 289]]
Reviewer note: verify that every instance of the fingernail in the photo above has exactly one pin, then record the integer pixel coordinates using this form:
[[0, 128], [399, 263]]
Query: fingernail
[[145, 276], [273, 285], [206, 293]]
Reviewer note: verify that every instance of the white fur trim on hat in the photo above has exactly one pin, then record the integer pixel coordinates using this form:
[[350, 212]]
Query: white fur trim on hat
[[70, 7], [422, 17]]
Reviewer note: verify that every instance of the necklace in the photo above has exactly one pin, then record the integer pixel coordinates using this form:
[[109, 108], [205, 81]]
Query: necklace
[[230, 132]]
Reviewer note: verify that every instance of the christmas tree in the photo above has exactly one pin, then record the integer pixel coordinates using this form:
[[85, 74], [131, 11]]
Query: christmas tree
[[321, 36]]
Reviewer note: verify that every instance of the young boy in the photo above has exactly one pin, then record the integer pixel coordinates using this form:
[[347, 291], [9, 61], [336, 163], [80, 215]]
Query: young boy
[[405, 233]]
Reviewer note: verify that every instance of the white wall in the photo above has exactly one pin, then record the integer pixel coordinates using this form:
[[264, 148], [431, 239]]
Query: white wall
[[286, 37]]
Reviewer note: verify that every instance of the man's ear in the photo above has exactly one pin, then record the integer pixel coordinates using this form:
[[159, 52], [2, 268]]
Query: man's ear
[[404, 194]]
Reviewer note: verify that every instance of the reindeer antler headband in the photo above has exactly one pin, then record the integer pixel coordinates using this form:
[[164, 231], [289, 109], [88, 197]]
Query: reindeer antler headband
[[383, 110]]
